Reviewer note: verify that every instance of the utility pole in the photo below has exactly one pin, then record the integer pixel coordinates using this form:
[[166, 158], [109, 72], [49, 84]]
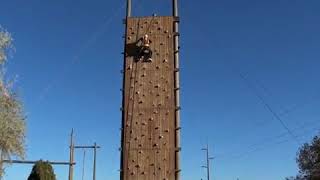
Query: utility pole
[[208, 158], [94, 147], [71, 161]]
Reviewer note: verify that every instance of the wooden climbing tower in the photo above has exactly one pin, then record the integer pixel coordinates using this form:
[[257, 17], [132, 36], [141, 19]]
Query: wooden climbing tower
[[151, 108]]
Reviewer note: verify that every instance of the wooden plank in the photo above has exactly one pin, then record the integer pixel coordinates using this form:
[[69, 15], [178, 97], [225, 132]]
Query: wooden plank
[[149, 102]]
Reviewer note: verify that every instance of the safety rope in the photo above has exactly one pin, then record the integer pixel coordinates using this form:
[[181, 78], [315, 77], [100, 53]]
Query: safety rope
[[133, 74]]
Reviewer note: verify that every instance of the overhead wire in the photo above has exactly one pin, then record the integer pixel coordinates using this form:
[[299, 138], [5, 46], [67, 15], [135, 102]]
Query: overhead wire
[[274, 114], [268, 107], [75, 58], [264, 146]]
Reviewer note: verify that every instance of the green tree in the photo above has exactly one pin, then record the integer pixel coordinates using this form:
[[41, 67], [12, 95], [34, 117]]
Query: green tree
[[42, 171], [308, 160], [12, 119]]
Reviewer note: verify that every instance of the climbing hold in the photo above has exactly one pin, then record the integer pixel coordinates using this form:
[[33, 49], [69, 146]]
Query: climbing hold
[[160, 137], [157, 67], [166, 31], [165, 60], [144, 123], [137, 92], [156, 128], [157, 86], [137, 166], [129, 37], [167, 130], [155, 145], [161, 43], [140, 102], [151, 119]]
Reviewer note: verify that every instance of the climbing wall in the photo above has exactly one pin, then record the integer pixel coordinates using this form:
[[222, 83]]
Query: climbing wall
[[149, 130]]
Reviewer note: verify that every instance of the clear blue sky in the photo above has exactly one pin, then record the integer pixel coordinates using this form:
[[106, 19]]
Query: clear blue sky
[[68, 58]]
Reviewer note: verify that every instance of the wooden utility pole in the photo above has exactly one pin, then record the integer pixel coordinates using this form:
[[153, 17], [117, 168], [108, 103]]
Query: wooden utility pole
[[208, 158], [71, 156]]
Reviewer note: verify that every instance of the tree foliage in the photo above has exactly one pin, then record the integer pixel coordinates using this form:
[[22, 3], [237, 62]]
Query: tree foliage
[[308, 160], [12, 119], [42, 171]]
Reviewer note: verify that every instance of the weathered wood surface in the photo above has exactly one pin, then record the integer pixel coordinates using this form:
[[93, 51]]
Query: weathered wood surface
[[149, 103]]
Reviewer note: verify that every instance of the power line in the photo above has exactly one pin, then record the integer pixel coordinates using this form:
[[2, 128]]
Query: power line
[[93, 38], [268, 107], [266, 145]]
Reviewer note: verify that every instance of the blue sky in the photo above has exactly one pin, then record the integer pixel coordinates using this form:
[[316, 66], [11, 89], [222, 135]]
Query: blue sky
[[68, 59]]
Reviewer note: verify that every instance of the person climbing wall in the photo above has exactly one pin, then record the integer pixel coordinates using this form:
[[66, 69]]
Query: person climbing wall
[[145, 50]]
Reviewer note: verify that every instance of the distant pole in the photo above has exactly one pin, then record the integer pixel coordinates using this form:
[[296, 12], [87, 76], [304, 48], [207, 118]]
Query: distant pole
[[94, 147], [94, 160], [71, 157], [208, 158], [208, 163], [129, 8]]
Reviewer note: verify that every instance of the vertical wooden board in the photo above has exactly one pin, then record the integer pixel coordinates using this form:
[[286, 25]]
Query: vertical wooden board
[[149, 104]]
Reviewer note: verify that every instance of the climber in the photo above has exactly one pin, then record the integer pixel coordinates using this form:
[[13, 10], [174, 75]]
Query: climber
[[145, 51]]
